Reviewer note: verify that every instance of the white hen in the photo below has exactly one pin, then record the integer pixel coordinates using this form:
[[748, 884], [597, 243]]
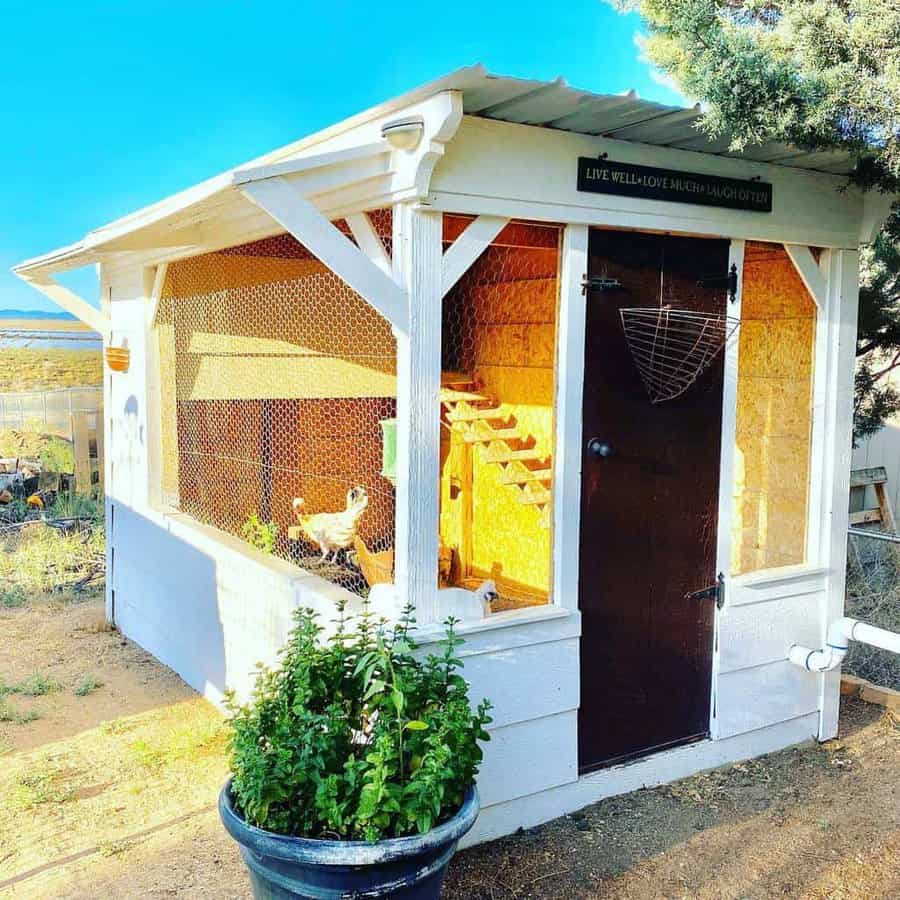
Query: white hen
[[333, 531]]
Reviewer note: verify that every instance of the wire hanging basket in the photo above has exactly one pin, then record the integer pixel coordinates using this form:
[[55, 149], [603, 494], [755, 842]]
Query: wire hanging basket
[[673, 347]]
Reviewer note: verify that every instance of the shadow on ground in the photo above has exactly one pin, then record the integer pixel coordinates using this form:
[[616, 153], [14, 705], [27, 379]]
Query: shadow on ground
[[814, 821]]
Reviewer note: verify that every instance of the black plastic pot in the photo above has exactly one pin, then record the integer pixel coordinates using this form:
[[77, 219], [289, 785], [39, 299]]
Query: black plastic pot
[[412, 868]]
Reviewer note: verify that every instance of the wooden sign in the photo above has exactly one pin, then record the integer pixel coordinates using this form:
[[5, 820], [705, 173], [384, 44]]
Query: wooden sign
[[602, 176]]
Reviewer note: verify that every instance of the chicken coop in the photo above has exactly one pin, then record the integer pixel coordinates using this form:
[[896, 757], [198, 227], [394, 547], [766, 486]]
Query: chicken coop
[[549, 361]]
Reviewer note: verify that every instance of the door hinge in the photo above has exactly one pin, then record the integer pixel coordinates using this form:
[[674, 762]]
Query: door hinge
[[729, 281], [713, 592]]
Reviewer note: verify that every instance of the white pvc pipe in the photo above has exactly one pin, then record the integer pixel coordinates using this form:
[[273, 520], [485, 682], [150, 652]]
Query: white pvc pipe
[[837, 642]]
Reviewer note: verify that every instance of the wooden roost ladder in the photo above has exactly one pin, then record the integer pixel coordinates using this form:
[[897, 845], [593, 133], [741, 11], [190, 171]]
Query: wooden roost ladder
[[480, 419]]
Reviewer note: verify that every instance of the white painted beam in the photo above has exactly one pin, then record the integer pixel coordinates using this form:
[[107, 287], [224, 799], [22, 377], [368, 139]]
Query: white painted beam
[[417, 266], [568, 452], [310, 163], [284, 203], [368, 241], [808, 269], [468, 247], [70, 302]]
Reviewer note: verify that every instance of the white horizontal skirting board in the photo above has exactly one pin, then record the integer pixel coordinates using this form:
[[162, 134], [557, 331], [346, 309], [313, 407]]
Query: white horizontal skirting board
[[754, 634], [527, 682], [529, 757], [755, 698], [497, 820]]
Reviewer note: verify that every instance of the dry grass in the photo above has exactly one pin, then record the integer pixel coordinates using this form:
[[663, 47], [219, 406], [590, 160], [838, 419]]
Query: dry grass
[[27, 369], [873, 595], [49, 324], [39, 559]]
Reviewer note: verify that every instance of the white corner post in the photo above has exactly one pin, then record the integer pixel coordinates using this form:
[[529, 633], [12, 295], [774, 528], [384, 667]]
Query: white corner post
[[728, 454], [417, 269], [833, 424], [569, 391]]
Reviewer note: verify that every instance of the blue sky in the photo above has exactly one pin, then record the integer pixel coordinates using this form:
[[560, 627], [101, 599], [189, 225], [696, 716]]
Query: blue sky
[[110, 106]]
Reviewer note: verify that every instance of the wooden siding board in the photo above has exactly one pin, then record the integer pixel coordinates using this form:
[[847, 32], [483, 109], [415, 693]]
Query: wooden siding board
[[754, 698]]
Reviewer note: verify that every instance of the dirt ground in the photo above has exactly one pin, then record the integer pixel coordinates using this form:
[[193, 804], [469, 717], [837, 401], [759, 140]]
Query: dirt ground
[[110, 793]]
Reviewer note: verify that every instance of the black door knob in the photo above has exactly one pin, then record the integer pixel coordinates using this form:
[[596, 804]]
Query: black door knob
[[599, 449]]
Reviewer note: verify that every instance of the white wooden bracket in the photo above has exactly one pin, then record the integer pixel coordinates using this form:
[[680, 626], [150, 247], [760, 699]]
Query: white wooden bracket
[[156, 289], [368, 240], [69, 301], [477, 235], [808, 269], [284, 203]]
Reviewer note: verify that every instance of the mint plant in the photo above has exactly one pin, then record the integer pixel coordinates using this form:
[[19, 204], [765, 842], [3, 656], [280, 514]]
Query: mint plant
[[356, 737]]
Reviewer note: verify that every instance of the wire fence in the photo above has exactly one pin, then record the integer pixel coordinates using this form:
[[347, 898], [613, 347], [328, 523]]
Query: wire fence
[[50, 411], [873, 595]]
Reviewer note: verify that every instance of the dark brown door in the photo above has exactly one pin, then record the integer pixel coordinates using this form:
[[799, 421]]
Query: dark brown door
[[648, 510]]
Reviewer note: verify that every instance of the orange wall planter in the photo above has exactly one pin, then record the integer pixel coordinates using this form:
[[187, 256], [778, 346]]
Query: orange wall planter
[[118, 358]]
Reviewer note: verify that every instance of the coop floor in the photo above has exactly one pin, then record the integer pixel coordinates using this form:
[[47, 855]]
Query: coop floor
[[112, 795]]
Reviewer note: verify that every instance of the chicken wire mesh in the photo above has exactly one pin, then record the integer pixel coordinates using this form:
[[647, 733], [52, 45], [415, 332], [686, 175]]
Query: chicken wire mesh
[[873, 595], [278, 387], [498, 361]]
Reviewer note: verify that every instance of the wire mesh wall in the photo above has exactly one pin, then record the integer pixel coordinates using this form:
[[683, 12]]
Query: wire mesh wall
[[873, 595], [278, 388], [498, 357]]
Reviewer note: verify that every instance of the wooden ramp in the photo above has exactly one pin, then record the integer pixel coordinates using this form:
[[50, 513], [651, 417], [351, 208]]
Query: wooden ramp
[[480, 419]]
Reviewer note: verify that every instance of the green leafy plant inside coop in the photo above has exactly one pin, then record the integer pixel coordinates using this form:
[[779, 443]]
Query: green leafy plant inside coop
[[356, 737], [259, 534]]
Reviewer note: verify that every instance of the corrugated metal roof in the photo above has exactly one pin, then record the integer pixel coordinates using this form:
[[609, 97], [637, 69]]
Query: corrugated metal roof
[[625, 117], [547, 104]]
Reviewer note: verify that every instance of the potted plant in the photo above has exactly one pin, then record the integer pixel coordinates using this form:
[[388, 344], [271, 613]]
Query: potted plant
[[354, 763]]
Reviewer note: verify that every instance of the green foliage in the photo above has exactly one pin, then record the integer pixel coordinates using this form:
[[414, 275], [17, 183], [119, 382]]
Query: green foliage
[[821, 74], [356, 737], [824, 74], [55, 453], [12, 596], [259, 534], [37, 685], [87, 684], [72, 505]]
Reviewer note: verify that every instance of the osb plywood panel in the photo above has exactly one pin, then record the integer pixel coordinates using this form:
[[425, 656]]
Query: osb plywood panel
[[774, 412], [257, 327], [500, 326]]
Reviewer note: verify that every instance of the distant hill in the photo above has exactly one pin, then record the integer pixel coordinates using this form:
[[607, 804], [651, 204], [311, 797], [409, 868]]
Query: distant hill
[[35, 314]]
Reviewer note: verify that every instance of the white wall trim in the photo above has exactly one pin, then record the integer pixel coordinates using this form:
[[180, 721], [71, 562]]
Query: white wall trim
[[473, 241], [728, 446], [568, 451], [809, 271], [284, 203]]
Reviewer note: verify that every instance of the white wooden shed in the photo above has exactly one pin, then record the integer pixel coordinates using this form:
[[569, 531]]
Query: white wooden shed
[[617, 361]]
